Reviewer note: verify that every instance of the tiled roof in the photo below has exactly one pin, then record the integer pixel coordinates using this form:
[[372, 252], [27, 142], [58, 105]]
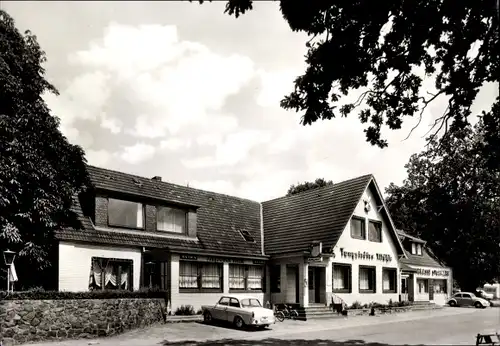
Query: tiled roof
[[219, 217], [292, 223]]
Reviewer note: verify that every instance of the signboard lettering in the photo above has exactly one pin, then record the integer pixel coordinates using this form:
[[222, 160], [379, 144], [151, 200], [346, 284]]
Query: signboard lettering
[[363, 255], [314, 259], [189, 257], [222, 260], [258, 262], [434, 272]]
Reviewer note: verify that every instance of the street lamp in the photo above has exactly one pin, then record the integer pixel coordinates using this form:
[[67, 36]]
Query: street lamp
[[8, 257]]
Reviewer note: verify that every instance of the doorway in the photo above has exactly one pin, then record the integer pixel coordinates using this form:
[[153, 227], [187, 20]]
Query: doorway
[[292, 283], [316, 284]]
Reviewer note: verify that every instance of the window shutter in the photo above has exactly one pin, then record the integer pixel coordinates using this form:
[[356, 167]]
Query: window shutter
[[349, 278], [374, 281]]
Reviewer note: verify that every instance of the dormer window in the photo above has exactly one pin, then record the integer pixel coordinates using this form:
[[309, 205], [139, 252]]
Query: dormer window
[[171, 220], [126, 214], [248, 237], [416, 249]]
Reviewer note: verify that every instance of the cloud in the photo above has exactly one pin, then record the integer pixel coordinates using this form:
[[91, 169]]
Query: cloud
[[137, 153], [175, 144], [232, 150], [97, 157]]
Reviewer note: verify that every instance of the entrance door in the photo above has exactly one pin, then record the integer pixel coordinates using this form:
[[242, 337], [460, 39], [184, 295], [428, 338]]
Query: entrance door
[[292, 284], [311, 283], [431, 290], [314, 283]]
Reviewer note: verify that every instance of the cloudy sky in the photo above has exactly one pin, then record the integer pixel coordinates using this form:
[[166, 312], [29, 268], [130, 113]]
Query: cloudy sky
[[185, 92]]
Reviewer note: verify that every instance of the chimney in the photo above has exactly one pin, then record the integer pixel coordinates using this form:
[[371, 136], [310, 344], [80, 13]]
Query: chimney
[[156, 177]]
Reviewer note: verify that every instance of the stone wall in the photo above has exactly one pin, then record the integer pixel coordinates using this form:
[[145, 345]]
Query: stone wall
[[35, 320]]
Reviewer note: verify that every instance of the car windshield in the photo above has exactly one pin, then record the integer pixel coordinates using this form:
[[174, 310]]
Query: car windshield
[[250, 302]]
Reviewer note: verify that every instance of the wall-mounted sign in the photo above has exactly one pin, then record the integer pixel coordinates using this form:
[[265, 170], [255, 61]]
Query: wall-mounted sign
[[316, 249], [222, 260], [432, 272], [189, 257], [314, 259], [258, 262], [363, 255]]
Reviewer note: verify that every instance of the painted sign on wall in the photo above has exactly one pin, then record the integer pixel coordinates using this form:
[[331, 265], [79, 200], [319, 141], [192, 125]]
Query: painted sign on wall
[[364, 255], [432, 272]]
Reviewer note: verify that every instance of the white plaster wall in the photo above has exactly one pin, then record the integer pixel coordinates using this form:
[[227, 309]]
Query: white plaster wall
[[387, 246], [75, 261], [198, 299]]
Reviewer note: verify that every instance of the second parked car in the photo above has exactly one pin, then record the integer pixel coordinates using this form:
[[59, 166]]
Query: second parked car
[[467, 299]]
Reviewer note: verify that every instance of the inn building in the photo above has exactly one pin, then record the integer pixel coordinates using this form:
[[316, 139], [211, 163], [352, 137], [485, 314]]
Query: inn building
[[335, 242]]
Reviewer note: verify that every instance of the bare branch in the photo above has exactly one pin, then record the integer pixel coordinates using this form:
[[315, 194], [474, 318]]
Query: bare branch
[[426, 103]]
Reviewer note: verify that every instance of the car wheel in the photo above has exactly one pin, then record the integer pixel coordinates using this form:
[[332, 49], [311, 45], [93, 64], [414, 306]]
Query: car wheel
[[238, 322], [207, 317], [478, 305], [453, 303]]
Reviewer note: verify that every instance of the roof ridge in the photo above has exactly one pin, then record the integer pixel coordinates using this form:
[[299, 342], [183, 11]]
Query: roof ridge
[[321, 188], [176, 185]]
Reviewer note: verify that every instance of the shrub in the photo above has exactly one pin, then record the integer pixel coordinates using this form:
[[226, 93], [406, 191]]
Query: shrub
[[40, 294], [185, 310], [403, 303], [391, 303], [199, 312], [356, 305]]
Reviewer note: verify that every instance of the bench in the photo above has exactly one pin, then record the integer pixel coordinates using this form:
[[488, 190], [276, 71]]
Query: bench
[[488, 338]]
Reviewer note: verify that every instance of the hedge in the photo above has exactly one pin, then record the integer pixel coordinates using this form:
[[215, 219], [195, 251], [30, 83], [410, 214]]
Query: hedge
[[39, 294]]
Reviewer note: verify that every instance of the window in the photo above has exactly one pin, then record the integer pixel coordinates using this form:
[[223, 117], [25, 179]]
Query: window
[[440, 286], [419, 249], [250, 302], [389, 279], [413, 248], [358, 228], [200, 276], [423, 286], [367, 279], [248, 237], [248, 278], [375, 231], [341, 278], [275, 276], [170, 220], [224, 301], [234, 303], [110, 274], [125, 213]]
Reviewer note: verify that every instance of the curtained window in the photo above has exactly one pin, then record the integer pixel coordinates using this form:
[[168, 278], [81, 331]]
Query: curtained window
[[125, 213], [237, 277], [341, 278], [200, 276], [110, 274], [367, 279], [375, 231], [358, 228], [171, 220], [188, 275], [246, 277], [389, 279]]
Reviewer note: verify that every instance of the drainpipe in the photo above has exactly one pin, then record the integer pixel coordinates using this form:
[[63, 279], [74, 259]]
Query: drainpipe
[[261, 229]]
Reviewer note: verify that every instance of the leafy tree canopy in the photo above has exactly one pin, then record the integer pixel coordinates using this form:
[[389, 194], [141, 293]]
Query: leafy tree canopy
[[308, 185], [451, 199], [385, 49], [40, 171]]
